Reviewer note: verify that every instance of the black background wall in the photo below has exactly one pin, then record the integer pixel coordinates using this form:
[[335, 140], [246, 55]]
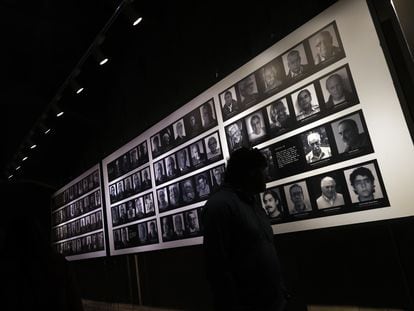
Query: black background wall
[[173, 57]]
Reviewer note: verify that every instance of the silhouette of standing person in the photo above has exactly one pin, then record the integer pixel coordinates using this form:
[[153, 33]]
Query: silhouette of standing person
[[242, 263], [36, 277]]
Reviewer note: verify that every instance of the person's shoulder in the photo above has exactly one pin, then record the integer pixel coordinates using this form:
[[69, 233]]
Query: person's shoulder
[[221, 201]]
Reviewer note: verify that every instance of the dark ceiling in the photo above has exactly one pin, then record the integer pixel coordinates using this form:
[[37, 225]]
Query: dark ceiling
[[180, 49]]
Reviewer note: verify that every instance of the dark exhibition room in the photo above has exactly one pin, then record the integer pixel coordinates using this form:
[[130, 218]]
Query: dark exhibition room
[[207, 156]]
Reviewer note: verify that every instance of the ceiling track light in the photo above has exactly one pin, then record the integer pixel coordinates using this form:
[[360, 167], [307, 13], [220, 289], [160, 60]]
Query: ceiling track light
[[45, 129], [57, 111], [132, 15], [25, 158], [76, 87], [100, 57], [31, 144]]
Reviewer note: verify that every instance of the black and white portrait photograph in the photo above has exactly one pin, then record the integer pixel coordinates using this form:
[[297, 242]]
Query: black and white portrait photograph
[[171, 166], [143, 153], [159, 171], [178, 223], [198, 155], [272, 76], [350, 134], [248, 91], [183, 160], [208, 116], [128, 186], [296, 63], [149, 204], [305, 102], [279, 117], [297, 196], [255, 125], [162, 199], [112, 193], [270, 170], [156, 145], [133, 158], [229, 103], [217, 176], [142, 233], [325, 46], [192, 225], [120, 189], [167, 230], [139, 207], [174, 195], [192, 122], [213, 148], [188, 191], [272, 203], [328, 190], [145, 178], [203, 185], [152, 230], [363, 184], [130, 210], [236, 135], [136, 182], [316, 145], [179, 131], [167, 139], [337, 89], [114, 216]]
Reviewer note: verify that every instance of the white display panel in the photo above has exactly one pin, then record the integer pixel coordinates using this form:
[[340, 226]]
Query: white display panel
[[78, 218], [320, 104]]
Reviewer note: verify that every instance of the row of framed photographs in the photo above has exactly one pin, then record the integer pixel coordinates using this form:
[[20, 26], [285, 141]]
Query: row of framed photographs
[[191, 125], [205, 151], [80, 226], [182, 225], [190, 190], [312, 54], [143, 233], [350, 189], [75, 191], [82, 206], [137, 208], [129, 161], [324, 96], [336, 141], [130, 185], [85, 244]]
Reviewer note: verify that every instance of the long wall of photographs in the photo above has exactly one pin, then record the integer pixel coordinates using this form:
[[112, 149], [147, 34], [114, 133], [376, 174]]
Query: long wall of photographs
[[77, 217], [321, 107]]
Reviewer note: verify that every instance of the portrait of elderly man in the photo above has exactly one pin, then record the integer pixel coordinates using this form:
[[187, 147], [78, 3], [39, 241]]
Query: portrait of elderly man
[[325, 48], [256, 128], [329, 197], [235, 135], [230, 105], [317, 151], [295, 64], [272, 76], [297, 197], [306, 105], [351, 138], [338, 92]]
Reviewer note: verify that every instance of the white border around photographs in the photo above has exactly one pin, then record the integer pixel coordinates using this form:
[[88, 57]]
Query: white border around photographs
[[94, 254]]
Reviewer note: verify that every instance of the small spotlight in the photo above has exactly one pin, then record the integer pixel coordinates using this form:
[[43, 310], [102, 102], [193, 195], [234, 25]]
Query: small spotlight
[[100, 58], [18, 168], [132, 15], [45, 129], [57, 111], [10, 176], [33, 146], [76, 87], [25, 158]]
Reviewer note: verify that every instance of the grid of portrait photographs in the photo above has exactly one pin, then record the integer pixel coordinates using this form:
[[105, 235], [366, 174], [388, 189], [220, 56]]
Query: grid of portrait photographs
[[339, 140], [182, 225], [88, 223], [129, 161], [350, 189], [140, 234], [309, 56], [190, 190], [130, 185], [205, 151], [85, 244], [85, 185], [129, 211], [191, 125], [78, 208], [324, 96]]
